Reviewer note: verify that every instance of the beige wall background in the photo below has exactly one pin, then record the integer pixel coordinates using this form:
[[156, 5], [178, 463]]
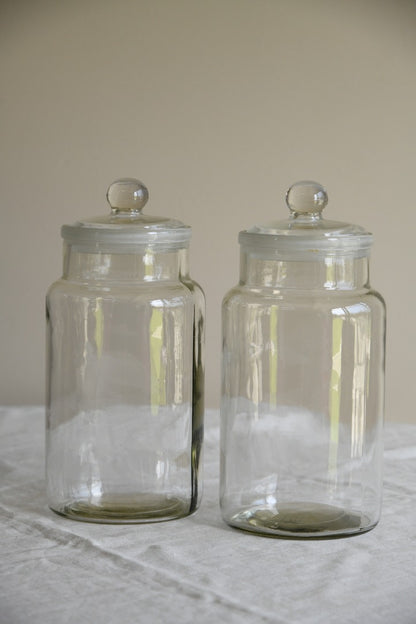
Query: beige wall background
[[218, 106]]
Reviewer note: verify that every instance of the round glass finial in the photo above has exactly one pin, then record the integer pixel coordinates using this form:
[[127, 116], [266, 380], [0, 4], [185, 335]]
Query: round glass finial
[[127, 195], [306, 198]]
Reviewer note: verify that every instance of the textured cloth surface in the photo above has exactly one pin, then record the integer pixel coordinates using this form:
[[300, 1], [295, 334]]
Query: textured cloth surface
[[55, 571]]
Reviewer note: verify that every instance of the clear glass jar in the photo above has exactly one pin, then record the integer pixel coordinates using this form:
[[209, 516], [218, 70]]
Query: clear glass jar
[[303, 378], [125, 368]]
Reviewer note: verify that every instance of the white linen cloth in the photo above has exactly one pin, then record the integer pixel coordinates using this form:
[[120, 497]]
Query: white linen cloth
[[58, 571]]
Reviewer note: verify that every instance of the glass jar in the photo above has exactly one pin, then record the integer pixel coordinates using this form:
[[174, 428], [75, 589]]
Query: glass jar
[[303, 378], [125, 370]]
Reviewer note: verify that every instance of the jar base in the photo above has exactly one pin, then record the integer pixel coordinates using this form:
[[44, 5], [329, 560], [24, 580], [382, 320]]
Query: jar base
[[127, 509], [301, 520]]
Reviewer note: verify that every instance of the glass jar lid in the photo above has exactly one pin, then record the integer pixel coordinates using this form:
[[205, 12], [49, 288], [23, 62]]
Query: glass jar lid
[[125, 229], [306, 235]]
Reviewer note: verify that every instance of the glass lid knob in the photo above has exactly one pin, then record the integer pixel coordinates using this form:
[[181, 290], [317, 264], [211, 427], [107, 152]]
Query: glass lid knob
[[127, 195], [306, 198]]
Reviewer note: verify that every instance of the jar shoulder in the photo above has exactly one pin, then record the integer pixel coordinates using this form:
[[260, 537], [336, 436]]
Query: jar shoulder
[[241, 295], [377, 298], [123, 290], [195, 288]]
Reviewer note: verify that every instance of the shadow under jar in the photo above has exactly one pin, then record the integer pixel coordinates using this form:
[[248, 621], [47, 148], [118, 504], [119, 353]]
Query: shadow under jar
[[124, 368], [303, 378]]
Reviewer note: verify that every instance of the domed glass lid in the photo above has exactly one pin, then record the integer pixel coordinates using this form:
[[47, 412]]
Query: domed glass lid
[[126, 227], [306, 234]]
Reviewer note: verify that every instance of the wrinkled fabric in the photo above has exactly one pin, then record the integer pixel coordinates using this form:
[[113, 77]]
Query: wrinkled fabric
[[55, 571]]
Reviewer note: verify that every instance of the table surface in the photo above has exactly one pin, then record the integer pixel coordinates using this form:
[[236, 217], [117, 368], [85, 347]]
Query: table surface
[[54, 570]]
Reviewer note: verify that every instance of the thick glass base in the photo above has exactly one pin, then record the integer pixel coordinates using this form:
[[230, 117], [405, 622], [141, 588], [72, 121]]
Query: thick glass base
[[125, 509], [301, 520]]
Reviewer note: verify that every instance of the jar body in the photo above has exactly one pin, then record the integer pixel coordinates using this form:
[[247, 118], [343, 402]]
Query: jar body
[[302, 401], [124, 406]]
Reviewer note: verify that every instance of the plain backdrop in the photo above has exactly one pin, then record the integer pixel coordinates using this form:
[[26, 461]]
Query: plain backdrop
[[218, 106]]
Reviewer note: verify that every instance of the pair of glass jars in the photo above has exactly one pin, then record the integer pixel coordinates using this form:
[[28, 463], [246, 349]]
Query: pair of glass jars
[[302, 373]]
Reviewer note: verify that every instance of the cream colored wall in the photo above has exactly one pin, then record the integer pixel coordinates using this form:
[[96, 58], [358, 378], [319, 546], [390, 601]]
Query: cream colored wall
[[217, 105]]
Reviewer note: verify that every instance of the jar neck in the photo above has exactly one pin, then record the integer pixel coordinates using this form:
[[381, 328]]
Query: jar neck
[[327, 273], [146, 266]]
